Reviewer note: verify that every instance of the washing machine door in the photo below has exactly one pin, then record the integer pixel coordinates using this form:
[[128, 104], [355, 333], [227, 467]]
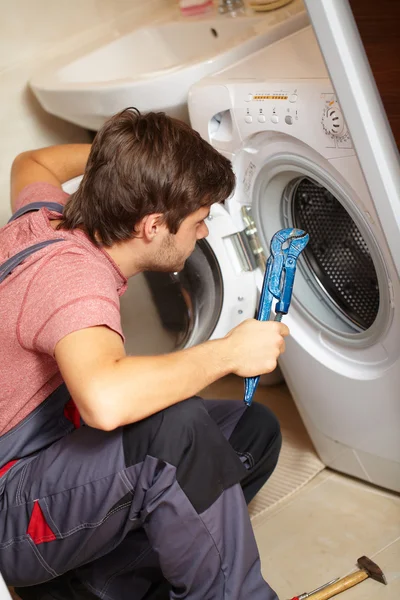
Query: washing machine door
[[344, 277], [164, 312]]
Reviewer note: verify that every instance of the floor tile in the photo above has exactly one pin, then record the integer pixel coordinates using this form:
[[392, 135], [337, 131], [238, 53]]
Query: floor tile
[[389, 561], [319, 534]]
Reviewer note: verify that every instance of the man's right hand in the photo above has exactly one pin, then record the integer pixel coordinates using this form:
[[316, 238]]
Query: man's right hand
[[255, 346]]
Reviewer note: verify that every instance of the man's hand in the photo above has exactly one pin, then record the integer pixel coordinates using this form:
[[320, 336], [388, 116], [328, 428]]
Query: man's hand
[[55, 165], [255, 346]]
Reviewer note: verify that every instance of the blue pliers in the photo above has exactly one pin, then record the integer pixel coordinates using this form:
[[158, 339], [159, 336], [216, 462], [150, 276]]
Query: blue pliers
[[278, 283]]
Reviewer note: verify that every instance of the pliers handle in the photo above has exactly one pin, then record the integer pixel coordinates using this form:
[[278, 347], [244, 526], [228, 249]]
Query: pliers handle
[[286, 247]]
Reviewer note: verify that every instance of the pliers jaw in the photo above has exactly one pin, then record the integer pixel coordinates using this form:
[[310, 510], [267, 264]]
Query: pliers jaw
[[286, 247], [298, 240]]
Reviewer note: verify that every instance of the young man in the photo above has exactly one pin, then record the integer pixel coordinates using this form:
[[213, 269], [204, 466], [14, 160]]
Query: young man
[[137, 488]]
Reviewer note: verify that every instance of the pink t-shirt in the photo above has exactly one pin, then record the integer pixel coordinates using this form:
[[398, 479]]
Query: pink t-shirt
[[67, 286]]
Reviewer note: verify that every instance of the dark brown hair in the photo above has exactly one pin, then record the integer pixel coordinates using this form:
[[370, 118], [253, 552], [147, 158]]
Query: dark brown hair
[[141, 164]]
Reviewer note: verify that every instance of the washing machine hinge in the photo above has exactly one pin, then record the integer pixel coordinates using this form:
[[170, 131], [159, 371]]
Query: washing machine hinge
[[247, 244], [391, 294], [241, 244]]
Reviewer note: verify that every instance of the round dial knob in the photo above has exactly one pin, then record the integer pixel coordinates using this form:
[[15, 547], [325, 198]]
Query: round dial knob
[[333, 121]]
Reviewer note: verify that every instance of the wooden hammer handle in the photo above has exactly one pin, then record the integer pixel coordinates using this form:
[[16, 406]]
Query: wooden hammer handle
[[340, 586]]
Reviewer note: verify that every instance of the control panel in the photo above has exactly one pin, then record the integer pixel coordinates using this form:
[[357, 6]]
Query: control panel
[[306, 109], [270, 106]]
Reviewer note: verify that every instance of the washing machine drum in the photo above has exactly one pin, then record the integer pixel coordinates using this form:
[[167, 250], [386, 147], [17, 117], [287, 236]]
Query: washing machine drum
[[163, 312], [337, 255]]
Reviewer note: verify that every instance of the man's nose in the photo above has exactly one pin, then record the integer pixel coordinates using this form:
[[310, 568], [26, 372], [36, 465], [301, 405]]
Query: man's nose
[[202, 232]]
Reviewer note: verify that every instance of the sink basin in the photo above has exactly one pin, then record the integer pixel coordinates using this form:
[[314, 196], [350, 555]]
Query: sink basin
[[153, 67]]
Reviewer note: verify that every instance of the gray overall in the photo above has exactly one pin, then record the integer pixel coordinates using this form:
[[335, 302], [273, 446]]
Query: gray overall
[[153, 510]]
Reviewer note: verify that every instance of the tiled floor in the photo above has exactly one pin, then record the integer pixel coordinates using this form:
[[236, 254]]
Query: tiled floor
[[318, 533]]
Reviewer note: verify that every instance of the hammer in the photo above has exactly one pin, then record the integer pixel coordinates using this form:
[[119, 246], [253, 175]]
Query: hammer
[[367, 569]]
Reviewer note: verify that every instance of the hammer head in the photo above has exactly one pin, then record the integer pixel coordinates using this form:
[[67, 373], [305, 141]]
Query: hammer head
[[372, 569]]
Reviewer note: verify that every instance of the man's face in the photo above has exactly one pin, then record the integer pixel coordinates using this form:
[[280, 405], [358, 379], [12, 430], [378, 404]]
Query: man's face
[[176, 248]]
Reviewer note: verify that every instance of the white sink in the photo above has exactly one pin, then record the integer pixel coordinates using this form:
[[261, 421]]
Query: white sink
[[153, 67]]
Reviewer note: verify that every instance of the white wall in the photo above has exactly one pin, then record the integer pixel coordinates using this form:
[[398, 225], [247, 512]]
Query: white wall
[[31, 31]]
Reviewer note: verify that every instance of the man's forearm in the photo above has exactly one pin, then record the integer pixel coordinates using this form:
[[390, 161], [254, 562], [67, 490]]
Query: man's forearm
[[64, 162], [137, 387], [112, 389], [55, 165]]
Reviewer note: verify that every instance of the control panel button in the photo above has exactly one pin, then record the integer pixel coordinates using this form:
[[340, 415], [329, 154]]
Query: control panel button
[[248, 119], [293, 98], [275, 119], [288, 119], [261, 118], [249, 98]]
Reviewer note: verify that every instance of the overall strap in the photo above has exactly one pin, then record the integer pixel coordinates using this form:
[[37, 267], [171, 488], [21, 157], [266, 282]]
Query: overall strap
[[36, 206], [9, 265]]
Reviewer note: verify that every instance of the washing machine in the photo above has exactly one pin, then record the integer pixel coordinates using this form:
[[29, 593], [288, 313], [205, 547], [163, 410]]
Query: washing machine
[[276, 116]]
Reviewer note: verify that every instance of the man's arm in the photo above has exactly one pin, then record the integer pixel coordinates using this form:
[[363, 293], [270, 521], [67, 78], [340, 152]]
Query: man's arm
[[111, 389], [55, 165]]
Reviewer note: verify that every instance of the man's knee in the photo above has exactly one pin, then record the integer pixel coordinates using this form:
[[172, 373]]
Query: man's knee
[[187, 429], [191, 414], [257, 438], [267, 439], [265, 422], [169, 428], [258, 432], [185, 437]]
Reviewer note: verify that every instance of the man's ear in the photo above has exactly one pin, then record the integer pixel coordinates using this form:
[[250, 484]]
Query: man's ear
[[150, 226]]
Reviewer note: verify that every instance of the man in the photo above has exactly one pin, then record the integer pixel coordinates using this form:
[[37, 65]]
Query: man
[[137, 488]]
